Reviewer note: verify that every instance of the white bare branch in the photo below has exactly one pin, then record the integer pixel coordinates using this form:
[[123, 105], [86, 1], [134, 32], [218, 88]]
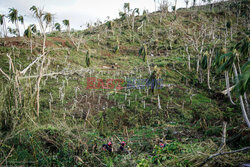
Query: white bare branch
[[31, 64]]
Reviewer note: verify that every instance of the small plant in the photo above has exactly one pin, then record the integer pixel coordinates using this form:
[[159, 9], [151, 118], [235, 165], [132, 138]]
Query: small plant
[[87, 60], [143, 52]]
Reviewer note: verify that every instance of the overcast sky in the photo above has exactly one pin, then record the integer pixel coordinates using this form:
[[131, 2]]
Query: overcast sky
[[79, 12]]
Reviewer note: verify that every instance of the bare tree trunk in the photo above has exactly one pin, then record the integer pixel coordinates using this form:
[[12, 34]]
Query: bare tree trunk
[[17, 27], [44, 42], [30, 45], [4, 28], [41, 73], [231, 33], [175, 7], [155, 5], [208, 78], [198, 56], [208, 71], [198, 63], [38, 87], [159, 102], [241, 99], [189, 59], [133, 28], [228, 87]]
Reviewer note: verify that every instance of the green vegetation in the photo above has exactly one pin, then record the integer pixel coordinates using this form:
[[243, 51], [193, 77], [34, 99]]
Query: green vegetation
[[48, 117]]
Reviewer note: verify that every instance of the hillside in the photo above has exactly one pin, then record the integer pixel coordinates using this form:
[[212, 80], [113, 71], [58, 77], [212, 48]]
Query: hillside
[[189, 113]]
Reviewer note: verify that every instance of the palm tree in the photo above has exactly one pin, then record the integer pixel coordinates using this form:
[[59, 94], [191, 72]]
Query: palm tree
[[38, 14], [186, 2], [126, 7], [48, 19], [12, 31], [3, 24], [35, 11], [20, 18], [155, 4], [66, 24], [58, 26], [28, 34], [13, 15], [194, 2]]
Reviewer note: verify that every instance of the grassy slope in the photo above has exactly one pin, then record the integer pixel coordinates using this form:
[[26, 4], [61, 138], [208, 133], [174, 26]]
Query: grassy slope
[[59, 135]]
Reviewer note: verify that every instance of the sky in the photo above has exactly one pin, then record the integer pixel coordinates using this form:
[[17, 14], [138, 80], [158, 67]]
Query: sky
[[79, 12]]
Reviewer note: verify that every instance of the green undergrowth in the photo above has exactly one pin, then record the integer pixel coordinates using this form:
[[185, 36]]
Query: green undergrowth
[[73, 119]]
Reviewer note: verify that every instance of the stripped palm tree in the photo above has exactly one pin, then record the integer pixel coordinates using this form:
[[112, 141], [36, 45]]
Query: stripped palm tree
[[66, 24], [3, 24], [175, 7], [13, 16], [38, 13], [48, 19], [186, 2], [20, 18], [28, 34]]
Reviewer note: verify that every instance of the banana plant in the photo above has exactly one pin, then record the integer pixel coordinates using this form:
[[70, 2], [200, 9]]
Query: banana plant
[[229, 64], [243, 54], [221, 61], [244, 80]]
